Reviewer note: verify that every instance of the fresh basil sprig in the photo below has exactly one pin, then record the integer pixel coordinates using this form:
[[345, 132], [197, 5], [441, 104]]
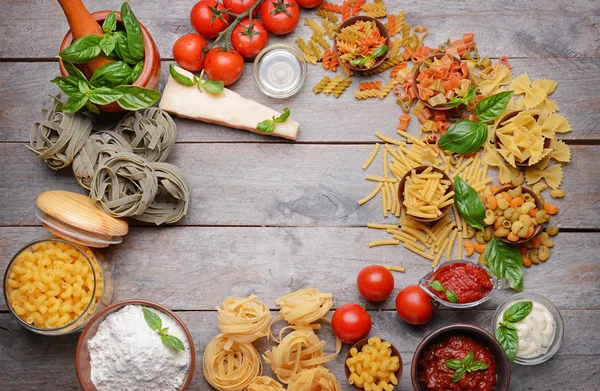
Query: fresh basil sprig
[[82, 50], [155, 323], [506, 332], [135, 38], [212, 86], [136, 98], [466, 365], [465, 100], [464, 136], [469, 204], [450, 295], [112, 74], [110, 23], [268, 125], [376, 53], [490, 108], [505, 262], [109, 41]]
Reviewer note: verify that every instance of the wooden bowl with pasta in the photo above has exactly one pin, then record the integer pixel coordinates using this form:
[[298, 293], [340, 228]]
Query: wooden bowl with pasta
[[397, 374], [382, 37], [417, 71], [444, 177], [498, 143]]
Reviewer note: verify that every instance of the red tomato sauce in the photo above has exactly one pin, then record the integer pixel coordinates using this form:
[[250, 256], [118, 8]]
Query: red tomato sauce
[[436, 376], [468, 281]]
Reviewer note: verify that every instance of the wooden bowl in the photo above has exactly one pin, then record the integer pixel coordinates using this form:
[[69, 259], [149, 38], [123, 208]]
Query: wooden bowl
[[82, 355], [477, 333], [150, 72], [538, 204], [418, 170], [497, 142], [382, 30], [359, 346], [416, 90]]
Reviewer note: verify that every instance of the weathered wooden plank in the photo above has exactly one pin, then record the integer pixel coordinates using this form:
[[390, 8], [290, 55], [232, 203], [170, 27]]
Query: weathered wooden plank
[[25, 88], [529, 29], [194, 268], [50, 361], [275, 184]]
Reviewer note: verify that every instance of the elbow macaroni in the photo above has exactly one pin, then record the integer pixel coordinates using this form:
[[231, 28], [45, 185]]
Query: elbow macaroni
[[50, 284], [374, 367]]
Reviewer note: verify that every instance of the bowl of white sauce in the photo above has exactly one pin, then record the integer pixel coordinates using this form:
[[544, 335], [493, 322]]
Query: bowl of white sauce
[[135, 345], [279, 71], [540, 333]]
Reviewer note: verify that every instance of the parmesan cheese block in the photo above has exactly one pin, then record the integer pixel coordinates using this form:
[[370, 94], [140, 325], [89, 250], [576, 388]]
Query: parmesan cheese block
[[226, 108]]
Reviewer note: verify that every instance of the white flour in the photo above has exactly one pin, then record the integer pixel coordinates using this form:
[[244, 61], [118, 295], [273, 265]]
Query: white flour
[[126, 355]]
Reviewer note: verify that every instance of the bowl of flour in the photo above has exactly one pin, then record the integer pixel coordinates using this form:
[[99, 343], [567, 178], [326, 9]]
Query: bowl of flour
[[135, 345]]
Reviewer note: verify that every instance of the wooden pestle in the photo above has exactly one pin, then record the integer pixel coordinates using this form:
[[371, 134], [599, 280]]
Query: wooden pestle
[[82, 23]]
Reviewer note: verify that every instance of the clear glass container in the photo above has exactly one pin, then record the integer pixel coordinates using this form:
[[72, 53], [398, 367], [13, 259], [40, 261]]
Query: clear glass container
[[54, 287], [558, 321], [279, 71], [497, 283]]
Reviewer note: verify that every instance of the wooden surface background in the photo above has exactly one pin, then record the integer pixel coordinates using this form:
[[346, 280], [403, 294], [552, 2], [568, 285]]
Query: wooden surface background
[[269, 216]]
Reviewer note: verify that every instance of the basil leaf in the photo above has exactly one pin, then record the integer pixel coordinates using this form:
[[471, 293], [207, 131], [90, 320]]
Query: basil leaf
[[172, 342], [164, 331], [450, 295], [267, 126], [74, 71], [283, 117], [82, 50], [458, 375], [477, 366], [453, 364], [379, 51], [505, 262], [213, 86], [92, 107], [136, 72], [135, 39], [435, 284], [464, 136], [468, 359], [469, 204], [104, 95], [107, 44], [457, 101], [110, 23], [152, 319], [111, 74], [489, 108], [83, 87], [122, 48], [509, 340], [136, 98], [75, 103], [68, 84], [179, 78], [518, 311]]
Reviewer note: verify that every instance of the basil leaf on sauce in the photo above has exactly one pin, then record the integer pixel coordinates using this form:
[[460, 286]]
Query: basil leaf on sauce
[[464, 136], [491, 107], [458, 375], [505, 262], [478, 366], [152, 319], [465, 365], [450, 295], [469, 204], [435, 284], [509, 340], [453, 364], [518, 311]]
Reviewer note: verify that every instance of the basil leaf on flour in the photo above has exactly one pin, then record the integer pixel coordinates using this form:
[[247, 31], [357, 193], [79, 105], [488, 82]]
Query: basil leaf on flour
[[509, 339], [518, 311], [110, 23], [111, 74], [135, 39], [464, 136], [82, 50], [491, 107], [136, 98], [505, 262], [75, 102], [469, 204], [152, 319], [172, 342]]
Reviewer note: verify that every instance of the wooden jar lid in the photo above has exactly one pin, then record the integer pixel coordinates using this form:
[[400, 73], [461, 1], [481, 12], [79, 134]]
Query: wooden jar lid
[[80, 213]]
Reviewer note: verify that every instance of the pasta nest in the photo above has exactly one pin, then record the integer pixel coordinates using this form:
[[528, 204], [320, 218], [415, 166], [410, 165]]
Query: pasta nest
[[316, 379], [304, 306], [265, 383], [229, 365], [244, 320]]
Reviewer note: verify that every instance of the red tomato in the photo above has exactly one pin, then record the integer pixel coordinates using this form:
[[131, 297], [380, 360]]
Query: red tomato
[[208, 19], [187, 51], [309, 3], [414, 305], [375, 283], [226, 66], [248, 39], [351, 323], [240, 6], [280, 16]]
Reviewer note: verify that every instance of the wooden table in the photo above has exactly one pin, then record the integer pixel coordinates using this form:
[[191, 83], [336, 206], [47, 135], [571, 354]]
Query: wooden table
[[269, 216]]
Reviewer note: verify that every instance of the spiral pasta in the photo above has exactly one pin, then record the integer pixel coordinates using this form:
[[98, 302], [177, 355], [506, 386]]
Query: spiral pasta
[[369, 85], [307, 51], [315, 379], [332, 84], [244, 320], [327, 15], [374, 10], [329, 27], [316, 50], [357, 6], [265, 383], [366, 94], [346, 10], [314, 26], [320, 39], [340, 88], [231, 369], [327, 6], [385, 90], [305, 306], [318, 88]]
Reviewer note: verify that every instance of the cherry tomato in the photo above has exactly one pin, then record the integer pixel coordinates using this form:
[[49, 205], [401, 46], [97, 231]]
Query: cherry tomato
[[226, 66], [351, 323], [240, 6], [249, 39], [309, 3], [208, 19], [414, 305], [375, 283], [187, 51], [280, 16]]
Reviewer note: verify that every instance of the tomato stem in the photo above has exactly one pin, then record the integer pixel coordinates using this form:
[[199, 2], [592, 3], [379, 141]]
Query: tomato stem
[[238, 18]]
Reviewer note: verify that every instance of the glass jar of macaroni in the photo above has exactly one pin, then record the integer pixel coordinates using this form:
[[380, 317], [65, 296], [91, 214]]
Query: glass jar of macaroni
[[53, 286]]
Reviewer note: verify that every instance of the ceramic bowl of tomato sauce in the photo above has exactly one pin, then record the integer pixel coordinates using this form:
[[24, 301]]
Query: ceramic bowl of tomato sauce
[[460, 357], [461, 284]]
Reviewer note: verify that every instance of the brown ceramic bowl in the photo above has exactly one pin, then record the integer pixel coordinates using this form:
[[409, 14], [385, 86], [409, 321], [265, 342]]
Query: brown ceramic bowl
[[82, 355], [416, 73], [382, 30], [419, 170], [478, 334], [359, 346], [538, 204], [497, 142], [150, 72]]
